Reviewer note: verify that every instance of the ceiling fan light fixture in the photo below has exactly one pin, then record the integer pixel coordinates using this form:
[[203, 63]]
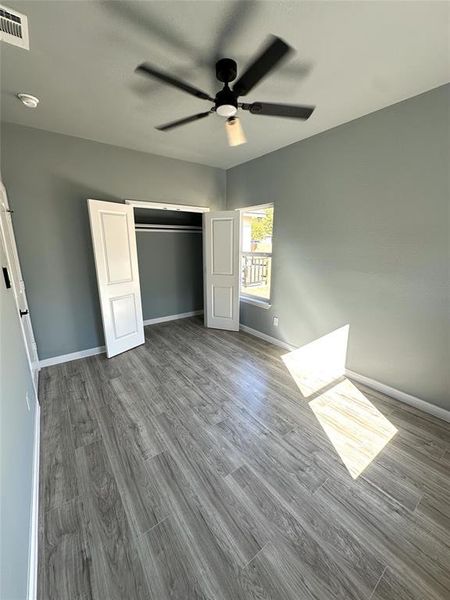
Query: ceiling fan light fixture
[[226, 110], [235, 133]]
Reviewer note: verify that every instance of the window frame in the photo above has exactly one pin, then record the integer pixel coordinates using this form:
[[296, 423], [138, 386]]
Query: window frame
[[251, 299]]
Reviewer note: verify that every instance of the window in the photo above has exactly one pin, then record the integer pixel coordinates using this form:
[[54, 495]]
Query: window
[[256, 253]]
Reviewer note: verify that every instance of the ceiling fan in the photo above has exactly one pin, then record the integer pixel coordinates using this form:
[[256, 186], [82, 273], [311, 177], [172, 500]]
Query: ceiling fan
[[225, 102]]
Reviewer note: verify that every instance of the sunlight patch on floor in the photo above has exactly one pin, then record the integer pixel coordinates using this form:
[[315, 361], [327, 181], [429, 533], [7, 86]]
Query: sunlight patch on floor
[[355, 427], [316, 365]]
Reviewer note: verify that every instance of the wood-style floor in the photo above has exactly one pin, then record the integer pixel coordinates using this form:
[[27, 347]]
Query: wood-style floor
[[193, 468]]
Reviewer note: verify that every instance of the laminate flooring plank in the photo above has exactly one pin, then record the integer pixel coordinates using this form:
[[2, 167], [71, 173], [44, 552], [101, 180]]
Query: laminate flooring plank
[[200, 439], [206, 400], [210, 561], [416, 421], [269, 456], [436, 508], [130, 439], [57, 466], [400, 488], [269, 577], [114, 553], [375, 517], [330, 551], [230, 521], [65, 561], [139, 394], [281, 572], [84, 424], [396, 586], [112, 408], [171, 571]]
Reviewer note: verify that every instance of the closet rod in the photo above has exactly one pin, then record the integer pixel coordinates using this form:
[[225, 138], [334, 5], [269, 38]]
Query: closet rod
[[161, 226], [167, 228]]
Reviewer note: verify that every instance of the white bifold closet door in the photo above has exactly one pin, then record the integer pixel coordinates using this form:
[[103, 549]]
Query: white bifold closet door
[[116, 263], [221, 269]]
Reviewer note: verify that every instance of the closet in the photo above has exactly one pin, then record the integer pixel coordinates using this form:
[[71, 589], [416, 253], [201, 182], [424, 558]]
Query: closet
[[155, 261], [170, 258]]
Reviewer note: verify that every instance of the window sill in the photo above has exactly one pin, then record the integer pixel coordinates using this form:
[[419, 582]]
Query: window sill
[[256, 302]]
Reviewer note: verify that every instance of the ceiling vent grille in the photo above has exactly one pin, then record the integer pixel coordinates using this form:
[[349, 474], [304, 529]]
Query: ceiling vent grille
[[14, 28]]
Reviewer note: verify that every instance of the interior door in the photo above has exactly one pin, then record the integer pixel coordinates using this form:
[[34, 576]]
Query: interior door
[[221, 269], [116, 263], [12, 274]]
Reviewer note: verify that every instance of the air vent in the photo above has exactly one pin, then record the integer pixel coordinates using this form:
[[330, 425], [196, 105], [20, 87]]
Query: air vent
[[14, 28]]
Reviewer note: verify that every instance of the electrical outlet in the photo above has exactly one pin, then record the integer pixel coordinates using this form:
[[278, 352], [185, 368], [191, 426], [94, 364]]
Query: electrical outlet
[[28, 400], [275, 321]]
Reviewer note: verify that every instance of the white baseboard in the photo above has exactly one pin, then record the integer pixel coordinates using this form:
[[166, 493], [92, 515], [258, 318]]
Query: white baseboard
[[265, 337], [192, 313], [56, 360], [34, 520], [422, 405]]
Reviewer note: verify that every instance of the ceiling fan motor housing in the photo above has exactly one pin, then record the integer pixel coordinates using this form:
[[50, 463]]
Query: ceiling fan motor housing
[[226, 70]]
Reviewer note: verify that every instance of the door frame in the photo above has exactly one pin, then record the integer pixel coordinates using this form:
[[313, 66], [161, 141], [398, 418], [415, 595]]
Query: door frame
[[13, 261], [167, 206]]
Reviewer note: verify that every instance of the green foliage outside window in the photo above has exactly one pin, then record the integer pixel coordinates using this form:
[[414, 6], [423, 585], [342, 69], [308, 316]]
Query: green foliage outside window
[[262, 226]]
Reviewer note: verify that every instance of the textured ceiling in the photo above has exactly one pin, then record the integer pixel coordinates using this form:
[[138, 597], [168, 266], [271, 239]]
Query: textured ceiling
[[352, 58]]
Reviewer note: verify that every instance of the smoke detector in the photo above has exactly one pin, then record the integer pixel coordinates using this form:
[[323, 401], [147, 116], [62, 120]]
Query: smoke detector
[[14, 28], [28, 100]]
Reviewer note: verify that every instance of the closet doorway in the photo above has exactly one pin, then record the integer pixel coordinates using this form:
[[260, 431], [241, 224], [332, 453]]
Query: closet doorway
[[153, 258]]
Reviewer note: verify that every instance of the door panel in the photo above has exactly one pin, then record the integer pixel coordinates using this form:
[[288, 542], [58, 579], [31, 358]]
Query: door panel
[[12, 265], [114, 242], [222, 302], [222, 244], [221, 264]]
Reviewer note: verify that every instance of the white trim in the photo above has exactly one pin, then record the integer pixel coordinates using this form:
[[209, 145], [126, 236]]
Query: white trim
[[256, 301], [34, 520], [167, 206], [56, 360], [63, 358], [267, 338], [418, 403], [192, 313], [256, 207]]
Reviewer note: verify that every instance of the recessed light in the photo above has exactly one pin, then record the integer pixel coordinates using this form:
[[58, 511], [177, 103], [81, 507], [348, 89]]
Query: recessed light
[[28, 100]]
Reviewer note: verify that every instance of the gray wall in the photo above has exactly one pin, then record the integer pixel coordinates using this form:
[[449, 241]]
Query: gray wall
[[361, 236], [171, 273], [49, 177], [16, 450]]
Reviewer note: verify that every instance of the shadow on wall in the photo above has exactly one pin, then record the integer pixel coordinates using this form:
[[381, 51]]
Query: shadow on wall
[[355, 427]]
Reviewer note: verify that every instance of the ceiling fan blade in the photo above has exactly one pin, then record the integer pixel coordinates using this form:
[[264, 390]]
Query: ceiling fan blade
[[146, 69], [272, 54], [290, 111], [173, 124]]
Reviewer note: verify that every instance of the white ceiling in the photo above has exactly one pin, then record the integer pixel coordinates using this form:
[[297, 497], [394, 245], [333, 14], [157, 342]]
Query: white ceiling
[[352, 58]]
